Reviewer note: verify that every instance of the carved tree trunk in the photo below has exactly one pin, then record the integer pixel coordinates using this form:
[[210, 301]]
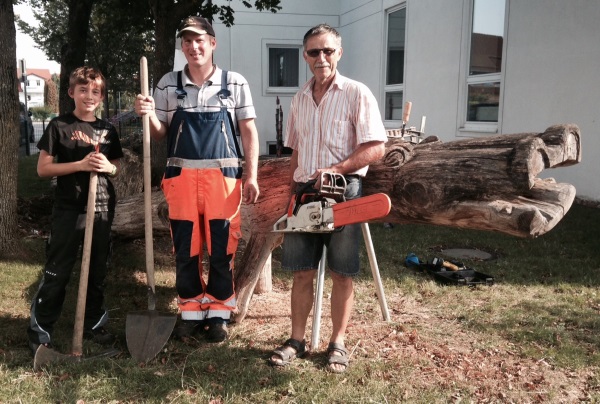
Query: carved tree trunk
[[484, 183]]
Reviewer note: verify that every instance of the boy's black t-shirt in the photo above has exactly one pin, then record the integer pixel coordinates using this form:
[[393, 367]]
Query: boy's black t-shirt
[[69, 139]]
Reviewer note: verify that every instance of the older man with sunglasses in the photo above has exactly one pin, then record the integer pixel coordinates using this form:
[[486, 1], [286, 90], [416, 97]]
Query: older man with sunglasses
[[335, 126]]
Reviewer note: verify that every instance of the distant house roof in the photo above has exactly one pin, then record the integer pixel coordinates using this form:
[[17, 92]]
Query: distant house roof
[[43, 73]]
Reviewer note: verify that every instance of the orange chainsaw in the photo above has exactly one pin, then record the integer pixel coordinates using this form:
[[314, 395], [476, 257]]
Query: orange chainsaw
[[326, 210]]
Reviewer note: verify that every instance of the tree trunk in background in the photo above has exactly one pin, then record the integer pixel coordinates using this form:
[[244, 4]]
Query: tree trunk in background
[[167, 16], [9, 129], [73, 51]]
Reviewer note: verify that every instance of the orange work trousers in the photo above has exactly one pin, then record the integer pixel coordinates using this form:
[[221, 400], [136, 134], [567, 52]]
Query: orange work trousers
[[204, 209]]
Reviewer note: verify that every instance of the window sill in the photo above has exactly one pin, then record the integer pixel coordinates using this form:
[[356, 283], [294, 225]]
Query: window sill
[[281, 90], [478, 129]]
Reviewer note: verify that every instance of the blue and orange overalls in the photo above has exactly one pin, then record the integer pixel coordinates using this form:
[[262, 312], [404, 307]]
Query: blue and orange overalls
[[203, 188]]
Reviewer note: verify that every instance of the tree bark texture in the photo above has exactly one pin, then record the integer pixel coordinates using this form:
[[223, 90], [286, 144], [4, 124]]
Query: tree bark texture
[[72, 53], [9, 128], [486, 183]]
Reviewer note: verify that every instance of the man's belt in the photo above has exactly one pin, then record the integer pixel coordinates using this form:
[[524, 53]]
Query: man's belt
[[213, 163]]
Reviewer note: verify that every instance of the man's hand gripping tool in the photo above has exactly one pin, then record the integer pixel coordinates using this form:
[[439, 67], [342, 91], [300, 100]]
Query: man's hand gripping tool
[[325, 209]]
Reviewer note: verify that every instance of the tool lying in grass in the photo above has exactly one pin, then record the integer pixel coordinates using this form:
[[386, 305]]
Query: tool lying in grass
[[439, 263], [148, 331], [450, 273], [325, 209], [45, 355]]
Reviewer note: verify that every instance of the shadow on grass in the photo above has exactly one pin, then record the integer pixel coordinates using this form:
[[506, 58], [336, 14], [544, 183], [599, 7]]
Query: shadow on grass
[[195, 372], [125, 292]]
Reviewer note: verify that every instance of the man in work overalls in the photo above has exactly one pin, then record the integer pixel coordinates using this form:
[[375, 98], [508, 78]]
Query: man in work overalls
[[200, 110]]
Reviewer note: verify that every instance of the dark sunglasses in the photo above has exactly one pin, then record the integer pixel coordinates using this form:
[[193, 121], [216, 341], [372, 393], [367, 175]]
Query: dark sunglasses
[[313, 53]]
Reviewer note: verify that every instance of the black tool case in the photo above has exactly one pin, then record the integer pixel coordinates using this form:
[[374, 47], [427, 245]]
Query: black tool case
[[463, 277]]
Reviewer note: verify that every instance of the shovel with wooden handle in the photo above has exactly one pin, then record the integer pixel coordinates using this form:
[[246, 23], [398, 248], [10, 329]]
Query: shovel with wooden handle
[[44, 355], [148, 331]]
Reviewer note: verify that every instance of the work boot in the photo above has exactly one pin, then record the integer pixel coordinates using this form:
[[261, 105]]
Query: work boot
[[99, 335], [187, 328], [217, 332]]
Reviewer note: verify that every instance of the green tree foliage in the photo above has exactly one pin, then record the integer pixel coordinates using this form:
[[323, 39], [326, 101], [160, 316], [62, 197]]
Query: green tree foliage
[[115, 50], [117, 32], [42, 114], [63, 32], [50, 34]]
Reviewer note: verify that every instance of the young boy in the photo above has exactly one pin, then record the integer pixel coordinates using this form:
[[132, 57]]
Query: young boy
[[73, 145]]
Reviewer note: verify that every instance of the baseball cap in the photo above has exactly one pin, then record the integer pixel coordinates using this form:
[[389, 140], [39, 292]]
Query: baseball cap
[[196, 24]]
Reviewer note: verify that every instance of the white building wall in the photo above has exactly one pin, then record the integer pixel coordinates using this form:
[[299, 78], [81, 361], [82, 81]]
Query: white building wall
[[432, 64], [552, 77], [361, 28], [550, 72]]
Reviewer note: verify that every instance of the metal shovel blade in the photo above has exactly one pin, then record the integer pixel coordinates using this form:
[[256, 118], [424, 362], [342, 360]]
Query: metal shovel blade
[[147, 333], [44, 356]]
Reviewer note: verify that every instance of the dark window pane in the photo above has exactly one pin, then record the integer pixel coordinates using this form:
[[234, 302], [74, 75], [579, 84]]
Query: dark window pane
[[393, 105], [283, 67], [483, 102], [395, 47]]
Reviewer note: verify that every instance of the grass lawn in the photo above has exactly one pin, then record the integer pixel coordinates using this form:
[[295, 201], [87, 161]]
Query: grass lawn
[[533, 336]]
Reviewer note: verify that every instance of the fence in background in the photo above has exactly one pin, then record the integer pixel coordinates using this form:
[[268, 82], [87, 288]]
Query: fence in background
[[128, 125]]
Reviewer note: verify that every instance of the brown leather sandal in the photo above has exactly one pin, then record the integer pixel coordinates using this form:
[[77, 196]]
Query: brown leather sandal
[[334, 359], [290, 350]]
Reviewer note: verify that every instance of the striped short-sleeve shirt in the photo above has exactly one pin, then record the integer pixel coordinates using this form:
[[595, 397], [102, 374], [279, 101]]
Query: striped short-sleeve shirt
[[203, 98], [328, 133]]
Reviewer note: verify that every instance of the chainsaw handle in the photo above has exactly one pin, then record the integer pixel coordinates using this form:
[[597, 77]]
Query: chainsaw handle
[[297, 198], [306, 186]]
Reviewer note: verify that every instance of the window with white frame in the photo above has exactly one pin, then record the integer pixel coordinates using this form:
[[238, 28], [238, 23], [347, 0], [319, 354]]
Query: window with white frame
[[394, 74], [284, 73], [484, 76]]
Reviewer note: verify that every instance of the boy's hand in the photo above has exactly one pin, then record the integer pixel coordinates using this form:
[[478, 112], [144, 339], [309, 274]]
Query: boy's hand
[[87, 163], [98, 162]]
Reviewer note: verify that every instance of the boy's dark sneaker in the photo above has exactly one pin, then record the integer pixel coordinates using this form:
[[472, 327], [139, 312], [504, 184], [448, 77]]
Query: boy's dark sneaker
[[34, 346], [99, 335], [217, 332], [188, 328]]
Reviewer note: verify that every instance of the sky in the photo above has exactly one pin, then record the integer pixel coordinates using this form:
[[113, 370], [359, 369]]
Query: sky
[[34, 57]]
